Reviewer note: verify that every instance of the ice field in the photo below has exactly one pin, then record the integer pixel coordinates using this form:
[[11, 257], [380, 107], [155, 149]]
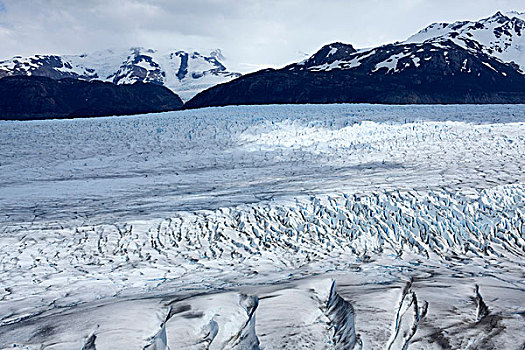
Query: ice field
[[271, 227]]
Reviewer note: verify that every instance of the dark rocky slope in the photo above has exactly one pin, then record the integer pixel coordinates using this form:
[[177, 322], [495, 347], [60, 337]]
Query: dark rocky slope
[[23, 97]]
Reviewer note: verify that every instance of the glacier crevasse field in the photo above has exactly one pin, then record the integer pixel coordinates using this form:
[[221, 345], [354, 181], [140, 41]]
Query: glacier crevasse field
[[272, 227]]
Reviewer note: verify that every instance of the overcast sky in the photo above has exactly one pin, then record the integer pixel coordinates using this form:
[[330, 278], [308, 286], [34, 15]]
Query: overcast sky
[[262, 32]]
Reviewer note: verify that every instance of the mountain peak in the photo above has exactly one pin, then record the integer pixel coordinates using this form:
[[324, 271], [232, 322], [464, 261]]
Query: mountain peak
[[501, 35], [330, 53], [217, 53], [498, 14]]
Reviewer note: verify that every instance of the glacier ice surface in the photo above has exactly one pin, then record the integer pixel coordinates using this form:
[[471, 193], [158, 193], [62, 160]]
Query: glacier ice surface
[[227, 227]]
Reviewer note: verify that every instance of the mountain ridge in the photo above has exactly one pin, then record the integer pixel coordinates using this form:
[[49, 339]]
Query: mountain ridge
[[34, 97], [184, 72], [445, 68], [501, 35]]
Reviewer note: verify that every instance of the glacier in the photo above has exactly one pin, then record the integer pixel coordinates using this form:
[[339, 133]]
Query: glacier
[[265, 227]]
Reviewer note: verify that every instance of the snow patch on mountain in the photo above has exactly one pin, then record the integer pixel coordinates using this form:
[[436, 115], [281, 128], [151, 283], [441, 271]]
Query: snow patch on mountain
[[353, 61], [391, 64]]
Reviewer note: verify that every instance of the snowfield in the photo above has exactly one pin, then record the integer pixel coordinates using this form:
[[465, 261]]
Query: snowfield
[[272, 227]]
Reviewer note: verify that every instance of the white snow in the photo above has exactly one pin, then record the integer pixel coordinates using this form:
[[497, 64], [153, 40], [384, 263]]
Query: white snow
[[144, 64], [465, 65], [488, 65], [391, 64]]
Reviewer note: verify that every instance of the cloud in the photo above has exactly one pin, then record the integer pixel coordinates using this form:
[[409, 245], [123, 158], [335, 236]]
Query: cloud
[[262, 32]]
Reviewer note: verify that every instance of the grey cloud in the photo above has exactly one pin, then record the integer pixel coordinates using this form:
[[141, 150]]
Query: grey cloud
[[262, 32]]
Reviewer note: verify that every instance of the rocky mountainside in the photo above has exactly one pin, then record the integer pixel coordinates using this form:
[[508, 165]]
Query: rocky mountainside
[[23, 97], [186, 73], [468, 62], [501, 35]]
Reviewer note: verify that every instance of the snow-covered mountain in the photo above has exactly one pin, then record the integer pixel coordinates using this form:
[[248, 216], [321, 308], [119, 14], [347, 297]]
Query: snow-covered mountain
[[432, 57], [184, 72], [429, 72], [501, 35], [463, 62]]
